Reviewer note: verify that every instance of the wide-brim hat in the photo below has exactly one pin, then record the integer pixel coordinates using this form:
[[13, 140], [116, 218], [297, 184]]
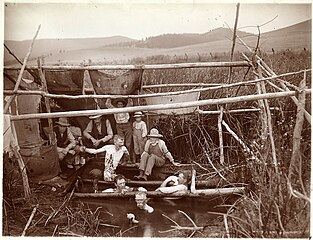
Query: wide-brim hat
[[138, 114], [95, 116], [154, 133], [63, 122], [115, 101]]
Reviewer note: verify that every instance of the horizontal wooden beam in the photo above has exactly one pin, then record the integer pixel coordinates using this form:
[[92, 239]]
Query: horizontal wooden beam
[[156, 194], [181, 85], [156, 107], [144, 66]]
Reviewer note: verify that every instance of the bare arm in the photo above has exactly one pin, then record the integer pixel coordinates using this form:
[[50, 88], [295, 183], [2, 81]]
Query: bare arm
[[95, 151], [87, 131], [130, 102], [108, 103], [109, 132]]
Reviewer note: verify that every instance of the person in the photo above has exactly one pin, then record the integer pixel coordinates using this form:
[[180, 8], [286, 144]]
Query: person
[[67, 147], [139, 134], [123, 125], [120, 185], [154, 153], [142, 201], [113, 155], [175, 183], [98, 132]]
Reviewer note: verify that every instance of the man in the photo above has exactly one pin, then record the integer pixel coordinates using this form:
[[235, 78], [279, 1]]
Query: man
[[154, 154], [113, 156], [175, 183], [98, 132], [120, 185], [66, 143], [123, 125]]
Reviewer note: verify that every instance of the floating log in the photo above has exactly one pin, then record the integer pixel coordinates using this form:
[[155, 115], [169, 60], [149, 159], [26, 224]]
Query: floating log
[[155, 107], [145, 66], [156, 194]]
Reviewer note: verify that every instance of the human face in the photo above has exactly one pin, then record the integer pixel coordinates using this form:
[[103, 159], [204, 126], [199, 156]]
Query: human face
[[120, 184], [62, 129], [181, 178], [119, 143], [138, 119], [97, 120], [120, 104], [153, 140], [141, 200]]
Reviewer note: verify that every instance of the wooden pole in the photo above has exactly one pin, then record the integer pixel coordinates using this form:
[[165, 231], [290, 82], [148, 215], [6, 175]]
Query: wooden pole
[[294, 99], [154, 107], [269, 122], [47, 101], [29, 220], [156, 194], [6, 107], [27, 191], [220, 135], [33, 73], [244, 110], [144, 67], [166, 85], [296, 139], [234, 42]]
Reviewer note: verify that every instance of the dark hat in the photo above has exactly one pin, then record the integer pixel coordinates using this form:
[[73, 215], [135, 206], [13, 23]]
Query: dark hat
[[115, 101], [63, 122]]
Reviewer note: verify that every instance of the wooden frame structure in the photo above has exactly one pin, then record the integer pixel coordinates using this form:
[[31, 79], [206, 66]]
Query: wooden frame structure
[[263, 74]]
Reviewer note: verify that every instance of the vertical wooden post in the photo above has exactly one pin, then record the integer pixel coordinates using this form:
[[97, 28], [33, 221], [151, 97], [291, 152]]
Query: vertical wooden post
[[220, 135], [269, 121], [262, 114], [47, 100], [298, 128]]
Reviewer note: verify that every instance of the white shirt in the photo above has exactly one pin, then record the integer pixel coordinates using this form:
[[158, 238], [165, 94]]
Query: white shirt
[[110, 151]]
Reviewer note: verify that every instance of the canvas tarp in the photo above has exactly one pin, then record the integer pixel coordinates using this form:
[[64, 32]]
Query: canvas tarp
[[116, 82], [185, 97]]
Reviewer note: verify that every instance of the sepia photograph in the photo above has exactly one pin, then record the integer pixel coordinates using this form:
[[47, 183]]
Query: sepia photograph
[[168, 119]]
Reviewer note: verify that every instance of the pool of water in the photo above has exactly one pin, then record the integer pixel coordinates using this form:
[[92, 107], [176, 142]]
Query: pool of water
[[155, 224]]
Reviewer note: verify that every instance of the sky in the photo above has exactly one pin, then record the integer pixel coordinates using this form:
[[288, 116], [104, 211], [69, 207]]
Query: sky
[[139, 19]]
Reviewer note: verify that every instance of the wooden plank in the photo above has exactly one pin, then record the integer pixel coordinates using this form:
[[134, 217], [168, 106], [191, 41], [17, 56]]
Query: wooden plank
[[155, 107], [144, 67], [156, 194]]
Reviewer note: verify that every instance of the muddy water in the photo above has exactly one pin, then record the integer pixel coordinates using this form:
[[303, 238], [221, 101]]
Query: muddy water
[[153, 224]]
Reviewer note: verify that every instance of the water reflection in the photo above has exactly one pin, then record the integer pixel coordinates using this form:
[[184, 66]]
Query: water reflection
[[114, 212]]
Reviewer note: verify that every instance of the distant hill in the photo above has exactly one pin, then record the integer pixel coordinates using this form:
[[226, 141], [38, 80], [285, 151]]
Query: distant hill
[[50, 47], [185, 39], [121, 49]]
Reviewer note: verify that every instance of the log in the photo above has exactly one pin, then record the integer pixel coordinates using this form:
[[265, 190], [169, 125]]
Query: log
[[18, 81], [154, 107], [144, 67], [157, 194]]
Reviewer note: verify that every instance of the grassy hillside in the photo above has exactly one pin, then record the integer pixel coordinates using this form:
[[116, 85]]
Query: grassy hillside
[[217, 41]]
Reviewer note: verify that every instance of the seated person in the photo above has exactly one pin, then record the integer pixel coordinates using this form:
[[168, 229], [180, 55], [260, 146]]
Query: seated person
[[120, 185], [175, 183], [113, 156], [154, 154], [66, 144], [98, 132]]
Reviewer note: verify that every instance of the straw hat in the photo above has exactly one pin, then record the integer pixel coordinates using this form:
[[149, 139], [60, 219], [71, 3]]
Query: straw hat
[[138, 114], [63, 122], [94, 117], [115, 101], [154, 133]]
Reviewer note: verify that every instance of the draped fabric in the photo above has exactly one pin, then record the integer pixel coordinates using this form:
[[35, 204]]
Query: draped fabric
[[116, 82]]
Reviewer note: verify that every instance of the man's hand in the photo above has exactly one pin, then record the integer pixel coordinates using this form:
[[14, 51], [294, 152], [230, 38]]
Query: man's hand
[[96, 143], [177, 164]]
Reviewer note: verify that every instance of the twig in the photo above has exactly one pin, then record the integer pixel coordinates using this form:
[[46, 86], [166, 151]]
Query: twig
[[29, 220], [226, 226], [55, 229]]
